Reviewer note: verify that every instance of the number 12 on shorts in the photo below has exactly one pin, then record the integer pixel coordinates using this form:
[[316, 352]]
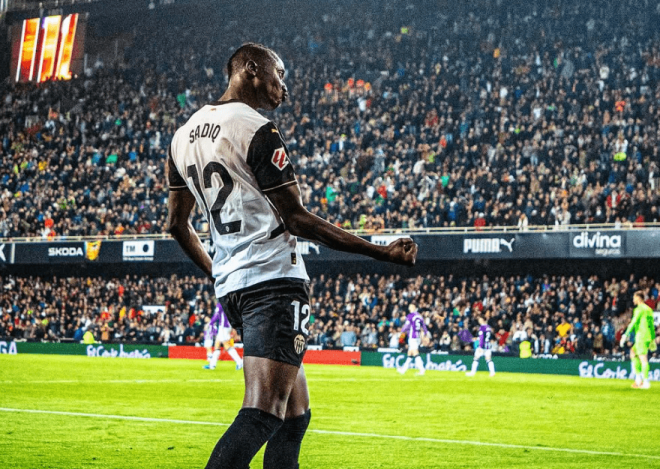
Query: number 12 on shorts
[[300, 317]]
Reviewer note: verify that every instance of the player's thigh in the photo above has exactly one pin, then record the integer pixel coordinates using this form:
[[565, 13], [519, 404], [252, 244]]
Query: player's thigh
[[224, 335], [413, 347], [640, 348], [298, 402], [488, 355], [478, 353], [268, 384]]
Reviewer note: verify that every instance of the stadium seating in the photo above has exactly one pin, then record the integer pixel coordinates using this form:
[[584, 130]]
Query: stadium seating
[[357, 311], [415, 118], [398, 121]]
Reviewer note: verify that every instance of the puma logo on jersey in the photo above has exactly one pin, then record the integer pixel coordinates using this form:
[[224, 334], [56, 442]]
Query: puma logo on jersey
[[279, 158]]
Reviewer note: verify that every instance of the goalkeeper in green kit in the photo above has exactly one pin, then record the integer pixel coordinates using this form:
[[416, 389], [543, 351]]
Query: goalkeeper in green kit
[[644, 329]]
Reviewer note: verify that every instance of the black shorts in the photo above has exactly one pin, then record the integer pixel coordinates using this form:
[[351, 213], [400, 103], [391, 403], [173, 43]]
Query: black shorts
[[273, 317]]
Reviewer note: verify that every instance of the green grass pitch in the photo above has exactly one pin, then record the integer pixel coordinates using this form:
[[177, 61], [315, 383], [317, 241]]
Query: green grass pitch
[[362, 417]]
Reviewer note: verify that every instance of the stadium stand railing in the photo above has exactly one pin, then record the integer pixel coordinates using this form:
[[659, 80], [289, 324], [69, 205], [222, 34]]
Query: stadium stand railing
[[386, 231]]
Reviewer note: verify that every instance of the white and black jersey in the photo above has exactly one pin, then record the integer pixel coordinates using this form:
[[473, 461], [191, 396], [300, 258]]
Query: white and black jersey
[[230, 156]]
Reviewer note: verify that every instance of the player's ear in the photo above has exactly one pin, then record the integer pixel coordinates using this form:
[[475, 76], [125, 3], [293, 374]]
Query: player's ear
[[251, 68]]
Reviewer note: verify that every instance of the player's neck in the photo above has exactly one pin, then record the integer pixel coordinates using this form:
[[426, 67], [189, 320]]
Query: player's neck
[[239, 93]]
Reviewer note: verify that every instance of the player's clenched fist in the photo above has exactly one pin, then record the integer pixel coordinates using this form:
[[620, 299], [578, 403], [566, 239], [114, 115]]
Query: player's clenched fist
[[402, 251]]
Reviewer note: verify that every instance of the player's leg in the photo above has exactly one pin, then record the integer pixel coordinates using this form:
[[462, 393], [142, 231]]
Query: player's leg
[[642, 350], [274, 315], [268, 385], [419, 364], [489, 359], [216, 355], [283, 448], [208, 345], [413, 355], [406, 364], [637, 365], [231, 350], [475, 362], [645, 371], [209, 355]]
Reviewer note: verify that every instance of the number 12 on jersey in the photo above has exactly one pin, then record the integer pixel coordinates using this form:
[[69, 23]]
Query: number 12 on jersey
[[227, 186], [300, 317]]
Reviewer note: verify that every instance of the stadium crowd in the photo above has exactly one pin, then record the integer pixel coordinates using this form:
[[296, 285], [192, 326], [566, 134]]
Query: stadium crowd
[[557, 314], [421, 117]]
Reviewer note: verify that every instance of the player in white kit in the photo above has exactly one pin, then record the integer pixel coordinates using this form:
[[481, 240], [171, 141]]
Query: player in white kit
[[232, 162]]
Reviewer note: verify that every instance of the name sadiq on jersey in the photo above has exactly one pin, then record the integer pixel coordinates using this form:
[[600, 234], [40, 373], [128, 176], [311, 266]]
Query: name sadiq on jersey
[[207, 131]]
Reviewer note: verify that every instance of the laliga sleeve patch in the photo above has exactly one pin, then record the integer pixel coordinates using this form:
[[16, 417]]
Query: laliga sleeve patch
[[279, 158], [268, 158]]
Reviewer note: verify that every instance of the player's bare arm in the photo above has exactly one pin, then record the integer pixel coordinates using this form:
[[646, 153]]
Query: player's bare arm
[[300, 222], [180, 204]]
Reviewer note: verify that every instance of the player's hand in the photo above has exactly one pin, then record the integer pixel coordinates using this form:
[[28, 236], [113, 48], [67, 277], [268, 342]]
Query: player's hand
[[653, 346], [402, 251]]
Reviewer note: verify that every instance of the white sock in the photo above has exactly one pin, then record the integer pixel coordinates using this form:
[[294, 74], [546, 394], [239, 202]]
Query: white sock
[[420, 364], [632, 370], [405, 366], [234, 354], [209, 355], [475, 365], [491, 366], [214, 359]]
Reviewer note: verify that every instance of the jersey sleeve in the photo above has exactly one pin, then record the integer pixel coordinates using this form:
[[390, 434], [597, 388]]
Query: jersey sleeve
[[176, 182], [650, 324], [268, 158], [634, 323]]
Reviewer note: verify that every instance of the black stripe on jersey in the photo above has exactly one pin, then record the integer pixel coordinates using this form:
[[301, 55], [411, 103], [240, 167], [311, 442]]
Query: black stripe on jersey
[[277, 231], [176, 182], [268, 158]]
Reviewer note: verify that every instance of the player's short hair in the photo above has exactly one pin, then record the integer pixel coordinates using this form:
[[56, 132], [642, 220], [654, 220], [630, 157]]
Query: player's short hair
[[249, 51], [640, 294]]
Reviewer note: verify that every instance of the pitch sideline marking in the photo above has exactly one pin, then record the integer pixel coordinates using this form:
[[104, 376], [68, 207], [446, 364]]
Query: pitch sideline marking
[[332, 432]]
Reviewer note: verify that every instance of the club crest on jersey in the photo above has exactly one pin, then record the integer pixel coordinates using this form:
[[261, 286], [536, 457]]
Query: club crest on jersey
[[279, 158], [299, 343]]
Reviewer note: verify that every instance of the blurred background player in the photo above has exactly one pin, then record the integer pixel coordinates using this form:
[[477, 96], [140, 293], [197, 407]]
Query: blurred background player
[[483, 348], [416, 330], [218, 333], [210, 333], [642, 325]]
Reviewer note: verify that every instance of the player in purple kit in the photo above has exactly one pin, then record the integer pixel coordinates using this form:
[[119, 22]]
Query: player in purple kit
[[416, 330], [210, 331], [218, 332], [483, 349]]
